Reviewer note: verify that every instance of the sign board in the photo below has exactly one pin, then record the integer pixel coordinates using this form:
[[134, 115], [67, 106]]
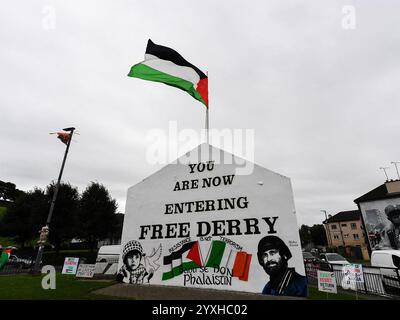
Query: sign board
[[352, 274], [100, 267], [203, 223], [106, 268], [70, 265], [327, 282], [85, 270]]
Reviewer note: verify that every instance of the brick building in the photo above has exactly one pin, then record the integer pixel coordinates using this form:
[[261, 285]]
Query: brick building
[[345, 233]]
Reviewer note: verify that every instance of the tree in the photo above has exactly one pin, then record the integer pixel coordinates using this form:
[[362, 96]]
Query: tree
[[97, 214], [24, 216], [315, 234], [8, 191], [305, 234], [64, 225], [318, 235]]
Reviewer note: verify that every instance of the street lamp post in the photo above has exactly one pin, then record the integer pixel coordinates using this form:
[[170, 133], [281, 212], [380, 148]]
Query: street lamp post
[[45, 230]]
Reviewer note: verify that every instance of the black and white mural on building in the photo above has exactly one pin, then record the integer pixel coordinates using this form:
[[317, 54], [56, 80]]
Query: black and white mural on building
[[208, 225], [382, 223]]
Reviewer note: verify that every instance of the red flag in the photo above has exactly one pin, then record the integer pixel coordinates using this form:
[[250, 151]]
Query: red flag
[[63, 136]]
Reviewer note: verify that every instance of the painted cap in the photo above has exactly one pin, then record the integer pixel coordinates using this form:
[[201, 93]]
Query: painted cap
[[130, 246]]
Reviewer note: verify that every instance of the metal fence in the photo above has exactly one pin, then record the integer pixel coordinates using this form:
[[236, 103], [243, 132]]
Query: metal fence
[[11, 268], [381, 281]]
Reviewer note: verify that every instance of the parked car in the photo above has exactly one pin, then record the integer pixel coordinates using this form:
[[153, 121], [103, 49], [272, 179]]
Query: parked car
[[333, 258], [309, 257], [315, 262], [389, 262], [109, 254]]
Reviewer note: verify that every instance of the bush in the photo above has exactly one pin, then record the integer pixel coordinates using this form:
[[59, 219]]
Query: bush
[[57, 258]]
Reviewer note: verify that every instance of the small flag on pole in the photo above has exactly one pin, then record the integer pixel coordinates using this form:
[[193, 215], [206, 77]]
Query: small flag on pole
[[63, 136], [163, 64]]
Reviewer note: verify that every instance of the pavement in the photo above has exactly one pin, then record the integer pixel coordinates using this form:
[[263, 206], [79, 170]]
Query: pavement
[[157, 292]]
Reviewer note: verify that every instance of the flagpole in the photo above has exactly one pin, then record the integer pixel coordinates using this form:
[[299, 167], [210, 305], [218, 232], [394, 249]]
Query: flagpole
[[207, 115], [207, 127], [53, 201]]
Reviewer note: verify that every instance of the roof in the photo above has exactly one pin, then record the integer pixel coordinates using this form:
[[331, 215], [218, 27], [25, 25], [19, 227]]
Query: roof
[[350, 215], [378, 193]]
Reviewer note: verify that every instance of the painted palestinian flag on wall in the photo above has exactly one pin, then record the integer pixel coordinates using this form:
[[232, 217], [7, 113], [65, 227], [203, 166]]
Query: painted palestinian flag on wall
[[188, 257], [163, 64]]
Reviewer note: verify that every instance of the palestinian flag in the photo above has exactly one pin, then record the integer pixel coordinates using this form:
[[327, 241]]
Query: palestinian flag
[[5, 254], [238, 262], [163, 64], [188, 257]]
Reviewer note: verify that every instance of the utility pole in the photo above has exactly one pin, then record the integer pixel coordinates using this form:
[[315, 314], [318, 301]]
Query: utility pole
[[45, 230]]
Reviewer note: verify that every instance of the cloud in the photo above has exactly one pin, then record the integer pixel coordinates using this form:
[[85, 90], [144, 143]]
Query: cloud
[[323, 101]]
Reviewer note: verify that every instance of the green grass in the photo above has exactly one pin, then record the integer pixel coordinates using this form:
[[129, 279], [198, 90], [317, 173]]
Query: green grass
[[28, 287], [67, 287], [2, 212]]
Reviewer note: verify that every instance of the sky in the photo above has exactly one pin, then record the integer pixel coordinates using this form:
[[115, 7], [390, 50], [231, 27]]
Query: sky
[[317, 81]]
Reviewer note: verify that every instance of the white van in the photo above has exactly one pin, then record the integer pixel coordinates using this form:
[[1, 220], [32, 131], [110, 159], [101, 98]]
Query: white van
[[389, 261], [109, 254]]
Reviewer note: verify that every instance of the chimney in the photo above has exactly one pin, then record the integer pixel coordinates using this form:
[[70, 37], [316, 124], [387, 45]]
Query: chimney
[[393, 186]]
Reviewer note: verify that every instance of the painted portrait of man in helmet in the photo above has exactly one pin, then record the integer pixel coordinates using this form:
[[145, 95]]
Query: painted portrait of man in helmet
[[392, 232], [273, 255]]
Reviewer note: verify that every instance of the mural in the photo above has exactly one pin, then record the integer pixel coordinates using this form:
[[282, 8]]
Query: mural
[[273, 255], [205, 226], [224, 260], [382, 222], [137, 267]]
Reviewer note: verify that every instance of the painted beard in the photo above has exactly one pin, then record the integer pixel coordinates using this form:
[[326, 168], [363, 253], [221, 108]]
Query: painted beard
[[273, 267]]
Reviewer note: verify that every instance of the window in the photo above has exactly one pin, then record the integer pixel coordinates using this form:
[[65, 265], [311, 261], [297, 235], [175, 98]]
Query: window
[[356, 236], [333, 227], [346, 235], [353, 226], [396, 261], [336, 237], [344, 224]]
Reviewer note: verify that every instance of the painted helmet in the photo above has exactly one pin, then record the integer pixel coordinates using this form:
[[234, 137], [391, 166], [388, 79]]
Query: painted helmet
[[130, 246], [392, 210], [272, 242]]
